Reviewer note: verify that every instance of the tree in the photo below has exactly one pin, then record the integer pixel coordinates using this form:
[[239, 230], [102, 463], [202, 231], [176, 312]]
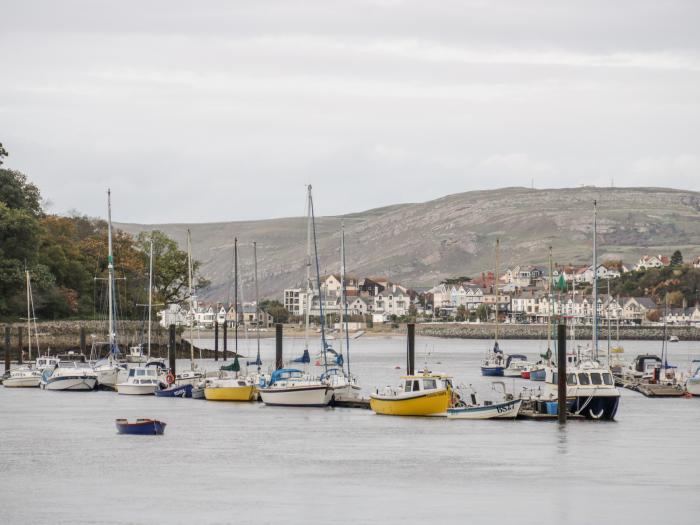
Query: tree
[[461, 313], [276, 309], [19, 194], [653, 316], [3, 153], [675, 298], [482, 312], [677, 258]]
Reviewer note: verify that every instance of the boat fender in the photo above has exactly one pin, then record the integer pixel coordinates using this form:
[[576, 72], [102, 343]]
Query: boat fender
[[170, 378]]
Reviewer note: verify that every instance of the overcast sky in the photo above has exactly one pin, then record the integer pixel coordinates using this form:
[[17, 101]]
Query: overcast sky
[[223, 110]]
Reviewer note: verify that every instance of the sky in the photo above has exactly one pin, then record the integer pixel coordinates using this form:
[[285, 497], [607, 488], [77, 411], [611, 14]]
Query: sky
[[224, 110]]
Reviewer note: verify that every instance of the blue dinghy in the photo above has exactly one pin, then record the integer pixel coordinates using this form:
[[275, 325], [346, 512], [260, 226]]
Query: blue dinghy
[[175, 391], [141, 427]]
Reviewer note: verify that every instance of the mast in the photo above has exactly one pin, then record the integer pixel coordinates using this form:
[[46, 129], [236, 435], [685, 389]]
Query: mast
[[607, 315], [343, 298], [318, 284], [110, 277], [150, 293], [189, 280], [309, 297], [235, 290], [551, 304], [595, 280], [573, 317], [495, 286], [257, 300], [29, 319]]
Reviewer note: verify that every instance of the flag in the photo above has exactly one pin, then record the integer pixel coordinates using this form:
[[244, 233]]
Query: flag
[[561, 284]]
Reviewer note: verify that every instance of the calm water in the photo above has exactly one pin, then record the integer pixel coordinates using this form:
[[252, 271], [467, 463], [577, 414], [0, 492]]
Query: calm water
[[61, 460]]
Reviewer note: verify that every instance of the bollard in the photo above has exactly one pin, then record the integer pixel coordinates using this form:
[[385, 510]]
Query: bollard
[[19, 345], [7, 349], [172, 351], [279, 363], [411, 350], [216, 340], [82, 340], [561, 372], [225, 339]]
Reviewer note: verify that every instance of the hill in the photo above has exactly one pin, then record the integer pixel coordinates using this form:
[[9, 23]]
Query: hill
[[418, 244]]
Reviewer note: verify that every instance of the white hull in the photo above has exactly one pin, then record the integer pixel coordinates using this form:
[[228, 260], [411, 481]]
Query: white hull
[[71, 383], [510, 372], [109, 377], [507, 410], [22, 382], [311, 396], [346, 393], [129, 389], [693, 386]]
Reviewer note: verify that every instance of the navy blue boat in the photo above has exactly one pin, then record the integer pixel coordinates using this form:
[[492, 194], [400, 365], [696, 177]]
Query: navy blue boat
[[141, 427], [175, 391]]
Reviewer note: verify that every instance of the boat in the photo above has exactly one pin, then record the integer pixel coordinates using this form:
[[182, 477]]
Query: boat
[[488, 410], [692, 384], [141, 427], [182, 391], [345, 387], [22, 377], [516, 364], [494, 363], [525, 373], [422, 394], [291, 387], [141, 381], [230, 389], [673, 339], [136, 355], [69, 375]]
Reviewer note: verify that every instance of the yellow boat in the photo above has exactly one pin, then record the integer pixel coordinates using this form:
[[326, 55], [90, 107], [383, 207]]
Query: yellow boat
[[230, 390], [424, 394]]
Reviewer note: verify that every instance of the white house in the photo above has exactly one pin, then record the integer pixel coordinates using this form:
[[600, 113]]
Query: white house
[[652, 261], [173, 314]]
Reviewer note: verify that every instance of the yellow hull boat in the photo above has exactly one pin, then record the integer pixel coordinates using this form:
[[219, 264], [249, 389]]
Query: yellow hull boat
[[419, 395], [230, 393]]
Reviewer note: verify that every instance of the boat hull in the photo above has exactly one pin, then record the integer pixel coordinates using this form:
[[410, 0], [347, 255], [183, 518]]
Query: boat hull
[[71, 383], [306, 396], [127, 389], [492, 371], [432, 404], [175, 391], [538, 375], [599, 407], [525, 374], [693, 386], [230, 393], [22, 382], [142, 427], [109, 377], [515, 372], [506, 410]]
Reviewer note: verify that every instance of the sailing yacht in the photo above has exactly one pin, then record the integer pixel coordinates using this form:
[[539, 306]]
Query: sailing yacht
[[494, 362]]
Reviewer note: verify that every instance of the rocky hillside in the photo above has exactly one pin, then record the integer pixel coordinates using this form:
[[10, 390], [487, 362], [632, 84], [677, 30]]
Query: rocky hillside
[[419, 244]]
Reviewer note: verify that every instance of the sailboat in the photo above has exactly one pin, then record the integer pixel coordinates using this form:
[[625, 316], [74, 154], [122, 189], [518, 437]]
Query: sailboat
[[236, 387], [26, 376], [290, 386], [538, 372], [494, 362], [344, 385]]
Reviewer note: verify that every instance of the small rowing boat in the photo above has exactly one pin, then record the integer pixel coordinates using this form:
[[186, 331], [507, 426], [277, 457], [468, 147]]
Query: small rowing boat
[[141, 427]]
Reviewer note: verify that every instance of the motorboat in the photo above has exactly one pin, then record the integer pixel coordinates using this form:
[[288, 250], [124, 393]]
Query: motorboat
[[291, 387], [692, 385], [493, 364], [45, 361], [109, 373], [136, 355], [422, 394], [515, 365], [141, 427], [22, 377], [69, 375], [141, 381], [673, 339], [468, 406]]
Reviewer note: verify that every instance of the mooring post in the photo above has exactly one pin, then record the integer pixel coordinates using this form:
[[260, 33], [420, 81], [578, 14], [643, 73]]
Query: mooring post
[[411, 347], [216, 340], [19, 345], [278, 347], [7, 349], [561, 372], [172, 351], [82, 340], [225, 339]]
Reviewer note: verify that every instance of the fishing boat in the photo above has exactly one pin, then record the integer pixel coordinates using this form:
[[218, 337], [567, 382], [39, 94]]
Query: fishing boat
[[516, 364], [72, 375], [493, 364], [422, 394], [136, 355], [673, 339], [141, 427], [291, 387], [692, 385], [230, 389], [182, 391], [141, 381]]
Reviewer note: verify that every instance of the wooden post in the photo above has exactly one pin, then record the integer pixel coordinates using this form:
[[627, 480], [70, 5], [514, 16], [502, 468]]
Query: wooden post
[[7, 349], [19, 345], [82, 340], [225, 338], [216, 340], [411, 350], [279, 363], [561, 372], [172, 351]]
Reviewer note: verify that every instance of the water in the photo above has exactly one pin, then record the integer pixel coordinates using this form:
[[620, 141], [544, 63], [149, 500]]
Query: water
[[61, 460]]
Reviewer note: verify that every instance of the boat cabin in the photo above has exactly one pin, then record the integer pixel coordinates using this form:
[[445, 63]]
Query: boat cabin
[[143, 372], [597, 379], [46, 361], [286, 374], [420, 383]]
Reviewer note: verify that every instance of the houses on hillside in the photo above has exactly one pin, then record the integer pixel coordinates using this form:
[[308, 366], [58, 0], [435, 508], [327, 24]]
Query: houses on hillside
[[205, 316]]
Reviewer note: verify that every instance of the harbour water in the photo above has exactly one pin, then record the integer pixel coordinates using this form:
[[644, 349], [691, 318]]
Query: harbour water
[[61, 460]]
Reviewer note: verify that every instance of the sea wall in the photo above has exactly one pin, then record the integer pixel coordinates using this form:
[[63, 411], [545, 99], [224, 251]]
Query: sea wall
[[538, 331]]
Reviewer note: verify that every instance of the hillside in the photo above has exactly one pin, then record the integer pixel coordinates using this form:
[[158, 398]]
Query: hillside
[[419, 244]]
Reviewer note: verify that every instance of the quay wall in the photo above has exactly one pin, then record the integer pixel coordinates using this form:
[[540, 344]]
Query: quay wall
[[539, 331]]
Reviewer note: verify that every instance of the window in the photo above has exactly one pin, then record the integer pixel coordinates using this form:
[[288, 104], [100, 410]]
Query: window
[[555, 378], [407, 388], [583, 379], [429, 384], [570, 379], [596, 379], [416, 385], [607, 379]]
